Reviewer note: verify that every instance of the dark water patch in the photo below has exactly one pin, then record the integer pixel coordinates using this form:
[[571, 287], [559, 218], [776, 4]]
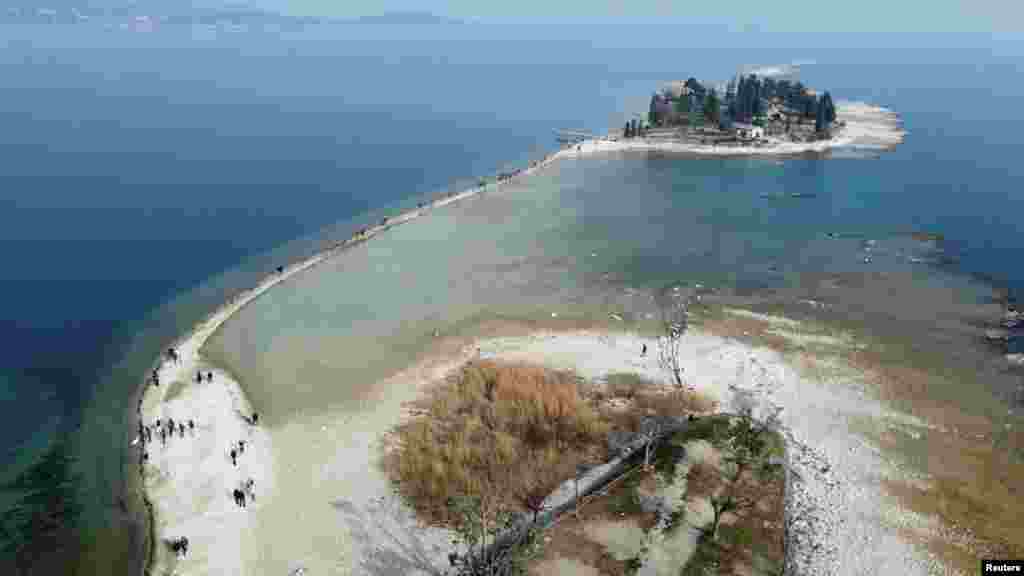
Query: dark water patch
[[39, 530]]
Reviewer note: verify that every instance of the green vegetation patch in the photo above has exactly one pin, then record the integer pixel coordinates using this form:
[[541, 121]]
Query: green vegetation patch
[[626, 497], [708, 428], [626, 384]]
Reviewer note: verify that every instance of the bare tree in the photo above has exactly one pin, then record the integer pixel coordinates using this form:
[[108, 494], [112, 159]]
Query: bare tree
[[674, 311], [532, 493], [497, 542], [748, 444], [651, 429]]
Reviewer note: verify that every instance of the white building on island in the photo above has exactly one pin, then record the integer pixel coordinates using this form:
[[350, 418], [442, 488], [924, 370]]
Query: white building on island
[[747, 131]]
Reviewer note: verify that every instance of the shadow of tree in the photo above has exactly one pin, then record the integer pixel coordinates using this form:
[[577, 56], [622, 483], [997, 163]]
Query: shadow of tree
[[386, 540]]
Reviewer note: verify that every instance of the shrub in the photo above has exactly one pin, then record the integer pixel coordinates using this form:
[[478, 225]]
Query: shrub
[[509, 429], [626, 385], [673, 403]]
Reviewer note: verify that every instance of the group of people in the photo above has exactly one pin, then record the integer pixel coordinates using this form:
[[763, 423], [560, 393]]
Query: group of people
[[508, 176], [237, 450], [246, 490], [180, 546], [166, 429], [172, 355]]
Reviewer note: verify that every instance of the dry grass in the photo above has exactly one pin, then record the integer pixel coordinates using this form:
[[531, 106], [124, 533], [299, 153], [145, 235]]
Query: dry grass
[[645, 398], [515, 432], [626, 385], [511, 430]]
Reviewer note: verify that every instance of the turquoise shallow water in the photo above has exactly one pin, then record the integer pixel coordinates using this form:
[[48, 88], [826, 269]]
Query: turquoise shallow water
[[590, 237]]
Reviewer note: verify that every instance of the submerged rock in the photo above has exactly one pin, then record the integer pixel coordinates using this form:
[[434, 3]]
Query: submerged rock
[[926, 236], [1012, 319], [997, 335]]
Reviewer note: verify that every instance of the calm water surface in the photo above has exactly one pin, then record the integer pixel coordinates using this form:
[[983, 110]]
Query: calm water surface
[[145, 175]]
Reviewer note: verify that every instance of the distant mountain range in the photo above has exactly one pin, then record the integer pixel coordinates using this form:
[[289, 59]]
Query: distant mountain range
[[422, 18], [72, 11]]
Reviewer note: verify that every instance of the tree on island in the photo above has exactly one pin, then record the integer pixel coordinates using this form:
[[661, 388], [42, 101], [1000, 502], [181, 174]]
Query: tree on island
[[482, 520], [682, 107], [674, 314], [625, 131], [739, 106], [756, 107], [830, 109], [694, 86], [748, 97], [747, 443], [652, 112], [820, 123], [712, 108]]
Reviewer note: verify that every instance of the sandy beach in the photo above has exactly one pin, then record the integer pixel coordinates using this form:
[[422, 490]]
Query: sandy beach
[[321, 504]]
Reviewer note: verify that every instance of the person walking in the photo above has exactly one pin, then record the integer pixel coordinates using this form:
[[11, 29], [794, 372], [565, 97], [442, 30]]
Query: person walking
[[234, 457]]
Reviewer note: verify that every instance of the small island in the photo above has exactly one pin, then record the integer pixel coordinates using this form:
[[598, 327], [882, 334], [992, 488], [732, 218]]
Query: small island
[[765, 111]]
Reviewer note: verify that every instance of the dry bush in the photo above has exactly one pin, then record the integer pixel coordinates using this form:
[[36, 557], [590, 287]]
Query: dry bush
[[659, 403], [626, 385], [674, 403], [493, 428]]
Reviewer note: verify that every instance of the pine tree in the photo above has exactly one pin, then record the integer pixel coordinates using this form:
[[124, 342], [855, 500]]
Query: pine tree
[[652, 113], [755, 105], [682, 105], [712, 108], [830, 109]]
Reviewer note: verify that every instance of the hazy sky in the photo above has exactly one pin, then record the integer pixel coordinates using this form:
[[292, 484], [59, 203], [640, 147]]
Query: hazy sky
[[790, 15]]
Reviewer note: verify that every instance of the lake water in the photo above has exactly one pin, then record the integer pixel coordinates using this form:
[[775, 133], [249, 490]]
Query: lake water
[[148, 173]]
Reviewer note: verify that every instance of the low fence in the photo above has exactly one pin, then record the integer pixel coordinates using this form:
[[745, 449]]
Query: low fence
[[601, 477], [563, 499]]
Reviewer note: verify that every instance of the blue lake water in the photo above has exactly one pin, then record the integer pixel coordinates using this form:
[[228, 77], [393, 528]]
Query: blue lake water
[[145, 174]]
